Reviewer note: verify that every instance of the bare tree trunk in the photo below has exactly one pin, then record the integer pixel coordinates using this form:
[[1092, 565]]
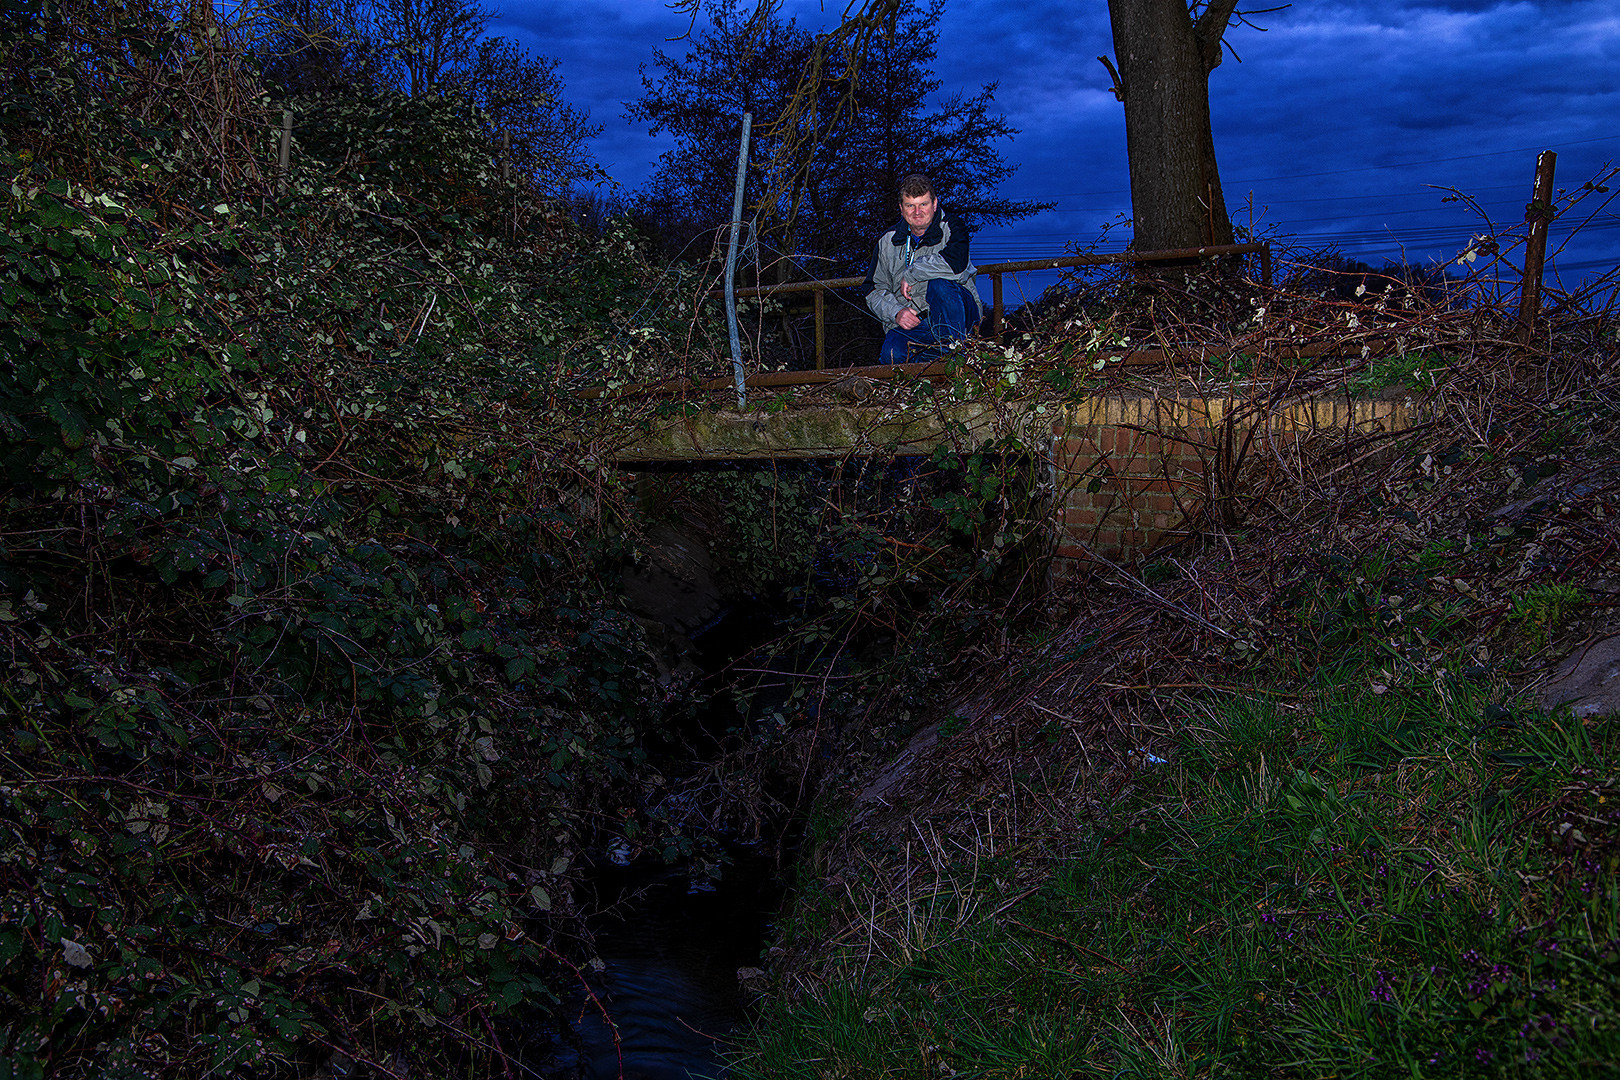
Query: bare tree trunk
[[1165, 59]]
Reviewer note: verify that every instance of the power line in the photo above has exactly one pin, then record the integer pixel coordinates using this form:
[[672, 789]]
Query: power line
[[1415, 164], [1345, 172], [1362, 241], [1467, 211], [1390, 195], [1012, 234], [1585, 264]]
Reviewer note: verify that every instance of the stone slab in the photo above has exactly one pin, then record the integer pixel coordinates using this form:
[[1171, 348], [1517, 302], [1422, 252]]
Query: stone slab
[[831, 431]]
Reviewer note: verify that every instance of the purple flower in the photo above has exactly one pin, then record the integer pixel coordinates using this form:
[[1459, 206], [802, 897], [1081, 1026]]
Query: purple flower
[[1483, 1055], [1381, 990]]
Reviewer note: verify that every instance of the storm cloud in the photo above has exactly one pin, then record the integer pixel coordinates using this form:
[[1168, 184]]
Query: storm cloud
[[1337, 124]]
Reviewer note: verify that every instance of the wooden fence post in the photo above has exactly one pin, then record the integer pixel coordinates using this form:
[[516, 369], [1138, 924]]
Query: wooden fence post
[[996, 307], [1539, 215], [821, 328]]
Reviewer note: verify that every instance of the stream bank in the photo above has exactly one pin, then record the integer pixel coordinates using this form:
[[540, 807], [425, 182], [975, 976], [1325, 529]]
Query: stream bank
[[756, 589], [1290, 802]]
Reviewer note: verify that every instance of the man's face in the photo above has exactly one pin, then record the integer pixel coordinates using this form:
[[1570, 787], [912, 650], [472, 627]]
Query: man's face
[[918, 212]]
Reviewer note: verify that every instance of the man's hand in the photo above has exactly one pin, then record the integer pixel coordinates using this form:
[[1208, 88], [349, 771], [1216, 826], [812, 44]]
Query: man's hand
[[905, 290], [907, 319]]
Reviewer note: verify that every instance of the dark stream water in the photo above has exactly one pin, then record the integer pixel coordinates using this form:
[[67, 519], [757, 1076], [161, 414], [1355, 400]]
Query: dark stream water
[[672, 949], [671, 939]]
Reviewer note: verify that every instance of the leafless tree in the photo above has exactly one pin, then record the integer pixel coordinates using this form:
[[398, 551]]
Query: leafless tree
[[831, 158], [430, 41], [1166, 51]]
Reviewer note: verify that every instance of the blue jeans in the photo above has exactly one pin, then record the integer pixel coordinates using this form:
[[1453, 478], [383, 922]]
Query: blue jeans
[[949, 308]]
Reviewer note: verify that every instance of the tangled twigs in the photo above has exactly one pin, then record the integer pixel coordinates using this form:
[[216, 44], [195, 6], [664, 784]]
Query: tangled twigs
[[1151, 593]]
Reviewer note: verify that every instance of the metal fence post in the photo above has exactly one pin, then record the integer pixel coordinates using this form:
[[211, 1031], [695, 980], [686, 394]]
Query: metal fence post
[[731, 263], [996, 307]]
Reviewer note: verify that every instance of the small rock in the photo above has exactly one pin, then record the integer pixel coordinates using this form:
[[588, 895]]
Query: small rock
[[1588, 681]]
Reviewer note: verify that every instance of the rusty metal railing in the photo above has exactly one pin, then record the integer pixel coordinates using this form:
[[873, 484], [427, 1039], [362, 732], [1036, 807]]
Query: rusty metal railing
[[995, 271]]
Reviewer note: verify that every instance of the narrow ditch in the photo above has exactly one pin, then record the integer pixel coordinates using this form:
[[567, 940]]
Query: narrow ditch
[[676, 942]]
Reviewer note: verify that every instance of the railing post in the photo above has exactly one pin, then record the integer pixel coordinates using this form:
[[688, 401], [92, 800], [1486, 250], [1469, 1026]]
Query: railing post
[[821, 332], [995, 306]]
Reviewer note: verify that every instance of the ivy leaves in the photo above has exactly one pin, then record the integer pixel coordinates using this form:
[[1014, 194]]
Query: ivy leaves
[[308, 671]]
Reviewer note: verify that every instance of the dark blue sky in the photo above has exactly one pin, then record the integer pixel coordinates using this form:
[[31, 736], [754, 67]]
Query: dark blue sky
[[1341, 125]]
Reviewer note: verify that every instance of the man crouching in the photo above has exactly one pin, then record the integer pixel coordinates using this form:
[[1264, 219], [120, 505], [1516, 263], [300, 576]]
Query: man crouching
[[921, 284]]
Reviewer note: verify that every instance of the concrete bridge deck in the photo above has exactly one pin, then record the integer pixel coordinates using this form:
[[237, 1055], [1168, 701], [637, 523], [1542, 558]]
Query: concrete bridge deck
[[1130, 469]]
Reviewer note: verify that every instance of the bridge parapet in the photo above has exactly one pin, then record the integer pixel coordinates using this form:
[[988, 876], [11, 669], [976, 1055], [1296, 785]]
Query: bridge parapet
[[1128, 472]]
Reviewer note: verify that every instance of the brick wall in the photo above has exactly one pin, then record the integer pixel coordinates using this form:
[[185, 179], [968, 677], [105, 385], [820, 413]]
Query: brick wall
[[1133, 474]]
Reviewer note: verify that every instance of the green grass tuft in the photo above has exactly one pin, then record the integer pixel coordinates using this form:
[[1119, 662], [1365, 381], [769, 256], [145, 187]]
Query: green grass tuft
[[1349, 883]]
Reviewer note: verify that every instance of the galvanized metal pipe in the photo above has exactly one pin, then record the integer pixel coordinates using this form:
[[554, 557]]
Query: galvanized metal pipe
[[731, 264]]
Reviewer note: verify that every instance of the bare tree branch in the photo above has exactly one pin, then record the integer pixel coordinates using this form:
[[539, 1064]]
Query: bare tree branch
[[1209, 29], [1118, 87]]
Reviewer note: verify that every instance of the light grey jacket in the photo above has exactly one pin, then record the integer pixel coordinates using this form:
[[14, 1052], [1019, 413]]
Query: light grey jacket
[[940, 252]]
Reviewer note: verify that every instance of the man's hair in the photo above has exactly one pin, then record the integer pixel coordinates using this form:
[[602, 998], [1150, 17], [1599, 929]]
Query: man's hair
[[916, 186]]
